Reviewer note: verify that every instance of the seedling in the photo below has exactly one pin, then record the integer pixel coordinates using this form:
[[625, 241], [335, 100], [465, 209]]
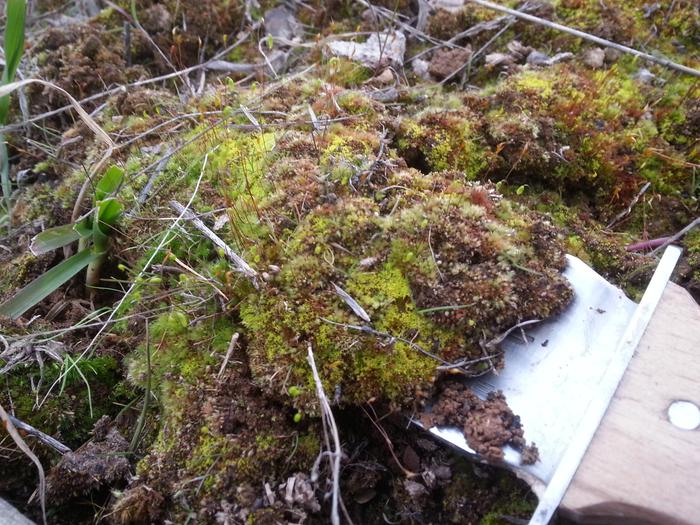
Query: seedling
[[92, 232]]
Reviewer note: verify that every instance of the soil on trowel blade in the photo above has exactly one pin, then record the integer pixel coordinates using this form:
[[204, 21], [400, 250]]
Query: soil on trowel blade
[[488, 424]]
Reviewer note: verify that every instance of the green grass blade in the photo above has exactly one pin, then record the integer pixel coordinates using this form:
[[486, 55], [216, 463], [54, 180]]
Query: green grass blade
[[5, 175], [45, 284], [14, 47], [53, 238]]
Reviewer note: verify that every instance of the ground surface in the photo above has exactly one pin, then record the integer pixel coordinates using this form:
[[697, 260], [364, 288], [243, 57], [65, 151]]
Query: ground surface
[[397, 211]]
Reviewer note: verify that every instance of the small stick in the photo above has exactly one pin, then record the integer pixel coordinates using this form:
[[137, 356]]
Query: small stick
[[646, 245], [626, 212], [240, 264], [39, 435], [229, 352], [675, 237], [586, 36]]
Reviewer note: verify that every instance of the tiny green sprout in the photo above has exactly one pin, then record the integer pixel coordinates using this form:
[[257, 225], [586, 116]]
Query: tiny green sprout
[[228, 110], [184, 278], [221, 252], [294, 391], [122, 267], [297, 417], [521, 189], [155, 280], [270, 42]]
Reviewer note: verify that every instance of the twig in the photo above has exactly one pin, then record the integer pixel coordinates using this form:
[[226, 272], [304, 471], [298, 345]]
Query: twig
[[229, 353], [385, 335], [499, 338], [675, 237], [24, 448], [409, 474], [627, 211], [646, 245], [586, 36], [327, 416], [39, 435], [232, 256]]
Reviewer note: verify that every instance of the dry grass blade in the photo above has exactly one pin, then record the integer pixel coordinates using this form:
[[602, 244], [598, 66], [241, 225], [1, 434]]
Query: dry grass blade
[[89, 121], [352, 303], [329, 422], [25, 448]]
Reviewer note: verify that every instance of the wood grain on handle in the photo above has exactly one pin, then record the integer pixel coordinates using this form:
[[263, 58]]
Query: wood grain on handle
[[640, 468]]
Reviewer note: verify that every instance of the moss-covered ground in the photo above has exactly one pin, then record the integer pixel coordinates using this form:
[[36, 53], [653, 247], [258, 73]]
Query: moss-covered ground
[[396, 226]]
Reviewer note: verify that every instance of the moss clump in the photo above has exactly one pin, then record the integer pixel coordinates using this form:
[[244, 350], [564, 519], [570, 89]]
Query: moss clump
[[92, 389], [439, 264], [443, 140]]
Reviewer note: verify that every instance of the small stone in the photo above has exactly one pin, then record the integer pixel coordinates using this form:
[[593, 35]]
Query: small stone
[[446, 61], [443, 472], [416, 491], [594, 58], [411, 460], [612, 55], [384, 78], [281, 23], [420, 68], [537, 58]]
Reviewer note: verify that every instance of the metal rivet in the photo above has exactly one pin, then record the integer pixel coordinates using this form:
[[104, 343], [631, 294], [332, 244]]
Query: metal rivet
[[684, 415]]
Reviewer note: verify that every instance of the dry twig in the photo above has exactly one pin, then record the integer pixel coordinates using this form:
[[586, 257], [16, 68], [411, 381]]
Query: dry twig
[[328, 424], [232, 256], [675, 237]]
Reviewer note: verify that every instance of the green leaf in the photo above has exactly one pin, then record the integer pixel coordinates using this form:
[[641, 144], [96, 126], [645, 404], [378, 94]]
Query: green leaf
[[14, 47], [45, 284], [84, 228], [108, 212], [109, 183], [53, 238]]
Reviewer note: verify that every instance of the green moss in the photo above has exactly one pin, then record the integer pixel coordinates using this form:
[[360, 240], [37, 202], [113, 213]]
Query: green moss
[[70, 412], [403, 289], [343, 72], [443, 140]]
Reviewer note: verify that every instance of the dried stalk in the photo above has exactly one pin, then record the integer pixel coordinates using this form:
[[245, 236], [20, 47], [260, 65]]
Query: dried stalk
[[5, 417], [329, 421], [675, 237], [232, 256]]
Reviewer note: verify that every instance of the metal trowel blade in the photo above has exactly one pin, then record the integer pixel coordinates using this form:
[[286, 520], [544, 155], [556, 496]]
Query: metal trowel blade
[[552, 377]]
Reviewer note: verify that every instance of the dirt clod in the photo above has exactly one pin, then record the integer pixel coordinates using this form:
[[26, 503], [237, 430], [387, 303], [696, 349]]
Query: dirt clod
[[99, 463], [488, 424]]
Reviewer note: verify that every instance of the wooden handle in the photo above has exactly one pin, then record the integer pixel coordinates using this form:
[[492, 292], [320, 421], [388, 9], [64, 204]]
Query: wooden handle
[[640, 468]]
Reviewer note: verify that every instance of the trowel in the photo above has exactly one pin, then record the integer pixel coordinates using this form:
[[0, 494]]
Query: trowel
[[609, 391]]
